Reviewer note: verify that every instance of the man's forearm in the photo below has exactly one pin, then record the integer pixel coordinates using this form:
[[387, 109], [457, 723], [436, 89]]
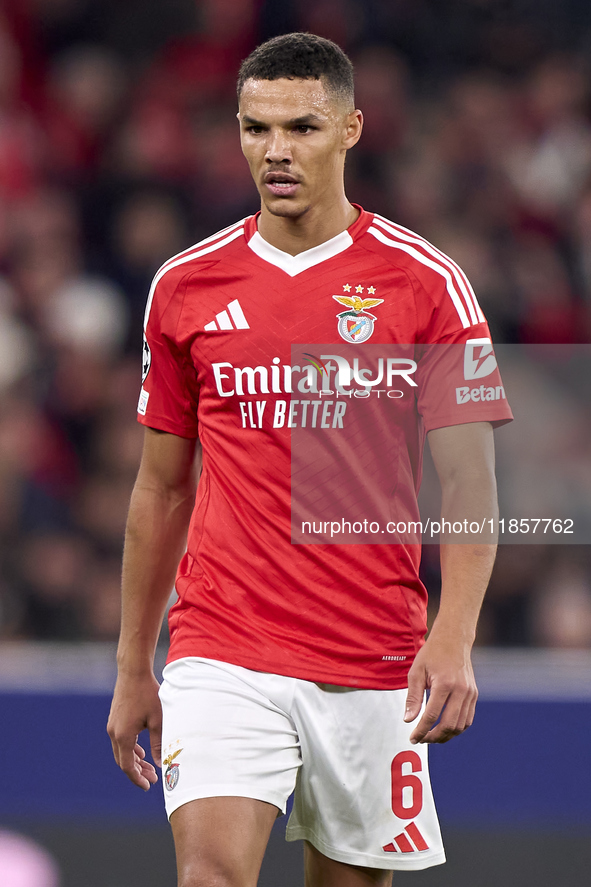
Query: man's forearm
[[464, 458], [159, 513], [469, 497], [154, 544], [465, 573]]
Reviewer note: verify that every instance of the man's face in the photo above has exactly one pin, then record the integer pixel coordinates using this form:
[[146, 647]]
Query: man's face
[[294, 136]]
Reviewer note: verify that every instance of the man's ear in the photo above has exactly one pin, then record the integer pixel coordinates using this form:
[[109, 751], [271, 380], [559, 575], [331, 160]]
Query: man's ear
[[353, 128]]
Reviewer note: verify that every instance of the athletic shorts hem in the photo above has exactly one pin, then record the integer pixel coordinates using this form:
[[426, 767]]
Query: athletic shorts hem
[[369, 860], [253, 792]]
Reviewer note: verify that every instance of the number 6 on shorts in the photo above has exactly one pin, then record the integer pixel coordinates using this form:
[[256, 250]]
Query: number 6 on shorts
[[412, 784]]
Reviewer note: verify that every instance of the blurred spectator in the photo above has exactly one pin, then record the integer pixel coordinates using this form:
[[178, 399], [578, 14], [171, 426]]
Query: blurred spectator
[[339, 20], [16, 342], [382, 90], [148, 227], [201, 67], [154, 141], [581, 244], [223, 186], [102, 511], [21, 141], [87, 87], [44, 250], [549, 311], [506, 615], [561, 610], [49, 573], [102, 612], [88, 316], [552, 161]]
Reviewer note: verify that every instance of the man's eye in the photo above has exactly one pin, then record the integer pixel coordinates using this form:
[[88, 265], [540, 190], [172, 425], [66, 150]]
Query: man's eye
[[255, 130], [304, 128]]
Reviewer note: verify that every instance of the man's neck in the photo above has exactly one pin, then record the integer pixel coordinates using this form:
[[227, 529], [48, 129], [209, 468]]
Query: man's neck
[[296, 235]]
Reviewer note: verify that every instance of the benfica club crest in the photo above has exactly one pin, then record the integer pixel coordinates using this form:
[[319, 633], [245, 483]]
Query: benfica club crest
[[356, 325], [171, 776]]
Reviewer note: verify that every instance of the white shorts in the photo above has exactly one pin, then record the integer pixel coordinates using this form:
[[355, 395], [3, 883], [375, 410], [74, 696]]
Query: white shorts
[[362, 791]]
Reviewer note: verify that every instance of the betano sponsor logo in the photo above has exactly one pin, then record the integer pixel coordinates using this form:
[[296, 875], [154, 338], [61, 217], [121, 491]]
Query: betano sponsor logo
[[475, 395], [479, 359]]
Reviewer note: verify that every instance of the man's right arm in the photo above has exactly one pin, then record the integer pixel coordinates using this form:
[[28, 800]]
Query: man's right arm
[[161, 506]]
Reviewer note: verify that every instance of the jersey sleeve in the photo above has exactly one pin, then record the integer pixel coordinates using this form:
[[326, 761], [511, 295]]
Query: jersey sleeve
[[169, 394], [458, 375], [459, 381]]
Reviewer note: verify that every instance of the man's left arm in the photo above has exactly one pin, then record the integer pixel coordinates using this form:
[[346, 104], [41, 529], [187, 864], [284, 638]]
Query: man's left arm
[[464, 459]]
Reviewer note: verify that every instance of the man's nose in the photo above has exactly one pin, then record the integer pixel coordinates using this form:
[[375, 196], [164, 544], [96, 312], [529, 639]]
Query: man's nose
[[278, 148]]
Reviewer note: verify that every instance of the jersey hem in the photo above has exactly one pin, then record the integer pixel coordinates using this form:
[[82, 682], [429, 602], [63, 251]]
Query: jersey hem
[[163, 424], [370, 860], [225, 791], [452, 421], [302, 674]]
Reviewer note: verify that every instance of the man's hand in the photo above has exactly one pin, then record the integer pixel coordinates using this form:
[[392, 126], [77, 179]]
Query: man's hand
[[444, 668], [135, 707]]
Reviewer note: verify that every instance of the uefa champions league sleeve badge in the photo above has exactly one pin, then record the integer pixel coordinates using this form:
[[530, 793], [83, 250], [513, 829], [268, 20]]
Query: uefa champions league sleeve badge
[[356, 325], [146, 359], [171, 775]]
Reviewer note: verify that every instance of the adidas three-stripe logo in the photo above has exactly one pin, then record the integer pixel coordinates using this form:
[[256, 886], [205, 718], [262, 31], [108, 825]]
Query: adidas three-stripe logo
[[404, 845], [223, 320]]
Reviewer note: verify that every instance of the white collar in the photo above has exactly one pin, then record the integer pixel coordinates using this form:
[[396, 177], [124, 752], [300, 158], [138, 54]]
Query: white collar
[[293, 265]]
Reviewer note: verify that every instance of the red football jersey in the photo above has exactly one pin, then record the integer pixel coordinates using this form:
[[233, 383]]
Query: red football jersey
[[236, 352]]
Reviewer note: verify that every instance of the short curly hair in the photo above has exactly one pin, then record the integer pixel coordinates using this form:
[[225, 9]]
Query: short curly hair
[[301, 55]]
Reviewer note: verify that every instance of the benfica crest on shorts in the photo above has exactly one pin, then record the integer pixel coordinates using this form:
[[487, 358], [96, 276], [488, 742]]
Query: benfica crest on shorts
[[356, 325], [171, 776]]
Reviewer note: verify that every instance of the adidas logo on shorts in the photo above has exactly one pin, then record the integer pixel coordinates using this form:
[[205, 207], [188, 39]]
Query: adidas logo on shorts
[[408, 841]]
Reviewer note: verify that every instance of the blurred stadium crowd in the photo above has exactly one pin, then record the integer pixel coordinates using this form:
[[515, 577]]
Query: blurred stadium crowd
[[119, 147]]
